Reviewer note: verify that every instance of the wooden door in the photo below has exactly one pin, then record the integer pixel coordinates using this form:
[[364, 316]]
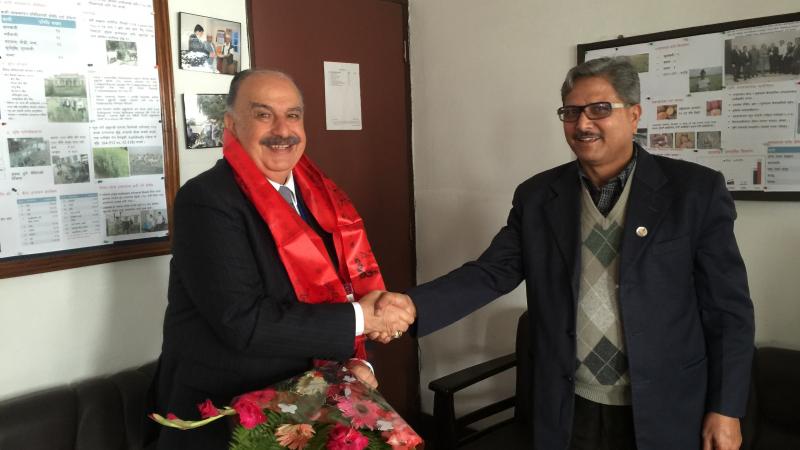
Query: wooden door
[[372, 165]]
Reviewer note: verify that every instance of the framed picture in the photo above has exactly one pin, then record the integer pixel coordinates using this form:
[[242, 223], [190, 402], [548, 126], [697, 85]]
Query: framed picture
[[203, 121], [209, 45]]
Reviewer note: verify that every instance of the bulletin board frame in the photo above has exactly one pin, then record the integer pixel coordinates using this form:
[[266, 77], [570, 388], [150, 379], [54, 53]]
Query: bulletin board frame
[[127, 249], [621, 41]]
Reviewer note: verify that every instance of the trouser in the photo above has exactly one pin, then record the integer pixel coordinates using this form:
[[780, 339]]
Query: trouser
[[602, 427]]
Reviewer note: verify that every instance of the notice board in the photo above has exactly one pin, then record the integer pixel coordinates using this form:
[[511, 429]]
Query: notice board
[[726, 96], [88, 164]]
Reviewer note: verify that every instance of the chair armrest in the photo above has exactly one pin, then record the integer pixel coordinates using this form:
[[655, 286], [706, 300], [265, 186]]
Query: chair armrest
[[444, 388], [457, 381]]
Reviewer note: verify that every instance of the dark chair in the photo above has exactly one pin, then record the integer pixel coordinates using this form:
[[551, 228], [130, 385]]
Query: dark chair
[[456, 432], [772, 420]]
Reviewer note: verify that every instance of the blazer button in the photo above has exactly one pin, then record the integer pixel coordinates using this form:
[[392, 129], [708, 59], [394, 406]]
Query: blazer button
[[569, 378]]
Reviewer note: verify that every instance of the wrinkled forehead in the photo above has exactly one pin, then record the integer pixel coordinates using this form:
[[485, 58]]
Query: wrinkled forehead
[[270, 89]]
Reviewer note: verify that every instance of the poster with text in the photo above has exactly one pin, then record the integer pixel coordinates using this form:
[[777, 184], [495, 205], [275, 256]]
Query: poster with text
[[81, 149], [727, 100]]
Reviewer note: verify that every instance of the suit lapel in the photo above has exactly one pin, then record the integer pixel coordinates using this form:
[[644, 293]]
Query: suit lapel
[[563, 216], [648, 201]]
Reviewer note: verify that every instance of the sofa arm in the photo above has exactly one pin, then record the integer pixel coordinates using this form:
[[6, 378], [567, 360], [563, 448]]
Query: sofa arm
[[101, 413]]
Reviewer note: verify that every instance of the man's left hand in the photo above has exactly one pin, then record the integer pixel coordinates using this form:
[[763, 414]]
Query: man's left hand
[[721, 432], [362, 372]]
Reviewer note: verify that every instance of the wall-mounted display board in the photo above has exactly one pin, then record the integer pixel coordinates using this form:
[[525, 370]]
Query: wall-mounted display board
[[88, 156], [726, 96]]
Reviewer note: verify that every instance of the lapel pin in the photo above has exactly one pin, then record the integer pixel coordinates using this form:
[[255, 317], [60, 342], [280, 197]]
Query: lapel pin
[[641, 231]]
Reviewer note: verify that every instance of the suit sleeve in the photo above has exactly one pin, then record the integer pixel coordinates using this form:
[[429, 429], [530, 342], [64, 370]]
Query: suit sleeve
[[496, 272], [214, 259], [726, 308]]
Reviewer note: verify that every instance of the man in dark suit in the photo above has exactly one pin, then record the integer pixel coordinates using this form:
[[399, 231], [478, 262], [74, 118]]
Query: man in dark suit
[[640, 317], [260, 281]]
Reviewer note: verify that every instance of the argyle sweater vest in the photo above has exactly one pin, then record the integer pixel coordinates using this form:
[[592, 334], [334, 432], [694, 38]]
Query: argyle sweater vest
[[602, 366]]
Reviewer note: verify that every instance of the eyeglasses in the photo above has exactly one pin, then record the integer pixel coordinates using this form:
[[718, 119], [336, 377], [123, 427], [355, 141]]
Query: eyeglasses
[[593, 111]]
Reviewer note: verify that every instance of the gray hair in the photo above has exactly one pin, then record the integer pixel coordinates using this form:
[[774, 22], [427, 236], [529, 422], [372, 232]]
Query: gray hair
[[617, 71], [237, 80]]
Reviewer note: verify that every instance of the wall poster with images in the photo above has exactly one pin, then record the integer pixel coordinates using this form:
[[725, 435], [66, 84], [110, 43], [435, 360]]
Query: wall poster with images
[[88, 167], [209, 45], [726, 96], [203, 119]]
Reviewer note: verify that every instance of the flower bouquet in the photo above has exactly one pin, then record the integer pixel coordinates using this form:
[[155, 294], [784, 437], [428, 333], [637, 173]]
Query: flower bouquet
[[324, 408]]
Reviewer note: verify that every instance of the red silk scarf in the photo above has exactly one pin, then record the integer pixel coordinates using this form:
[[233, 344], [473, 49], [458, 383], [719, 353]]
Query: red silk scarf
[[301, 249]]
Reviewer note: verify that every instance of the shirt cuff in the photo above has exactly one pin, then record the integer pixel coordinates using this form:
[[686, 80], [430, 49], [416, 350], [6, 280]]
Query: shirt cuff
[[359, 318], [366, 363]]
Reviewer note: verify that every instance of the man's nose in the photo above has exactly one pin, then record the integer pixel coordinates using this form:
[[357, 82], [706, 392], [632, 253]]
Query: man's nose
[[584, 122], [280, 127]]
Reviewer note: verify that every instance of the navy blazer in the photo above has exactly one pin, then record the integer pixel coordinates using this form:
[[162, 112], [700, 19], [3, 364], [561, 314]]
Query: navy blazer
[[233, 322], [684, 301]]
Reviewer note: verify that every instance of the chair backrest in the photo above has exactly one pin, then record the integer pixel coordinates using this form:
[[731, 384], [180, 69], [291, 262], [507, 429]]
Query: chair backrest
[[773, 408], [524, 399]]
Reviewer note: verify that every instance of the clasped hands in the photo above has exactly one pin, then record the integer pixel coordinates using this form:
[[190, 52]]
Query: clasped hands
[[387, 315]]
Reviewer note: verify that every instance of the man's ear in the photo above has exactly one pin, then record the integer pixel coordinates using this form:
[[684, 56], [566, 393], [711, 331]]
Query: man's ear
[[635, 114], [229, 123]]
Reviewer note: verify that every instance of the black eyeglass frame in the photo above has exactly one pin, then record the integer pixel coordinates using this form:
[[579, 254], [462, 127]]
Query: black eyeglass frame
[[590, 112]]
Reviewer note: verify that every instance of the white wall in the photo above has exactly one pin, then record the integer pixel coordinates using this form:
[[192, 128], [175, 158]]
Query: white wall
[[485, 79], [73, 324]]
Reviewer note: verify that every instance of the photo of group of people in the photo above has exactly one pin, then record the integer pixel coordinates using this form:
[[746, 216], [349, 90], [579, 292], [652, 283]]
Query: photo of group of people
[[700, 140], [762, 58], [203, 114], [120, 223], [208, 44], [66, 98]]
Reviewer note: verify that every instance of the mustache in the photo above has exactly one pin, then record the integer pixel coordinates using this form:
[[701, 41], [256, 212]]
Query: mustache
[[278, 140]]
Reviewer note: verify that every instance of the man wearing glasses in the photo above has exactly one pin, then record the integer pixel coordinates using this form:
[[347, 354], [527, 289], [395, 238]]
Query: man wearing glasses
[[640, 317]]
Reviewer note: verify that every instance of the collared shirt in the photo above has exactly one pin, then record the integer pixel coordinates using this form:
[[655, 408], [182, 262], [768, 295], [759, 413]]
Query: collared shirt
[[606, 196], [289, 184], [356, 306]]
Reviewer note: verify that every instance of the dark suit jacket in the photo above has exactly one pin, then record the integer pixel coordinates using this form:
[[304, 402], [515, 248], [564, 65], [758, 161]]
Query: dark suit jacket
[[687, 314], [233, 323]]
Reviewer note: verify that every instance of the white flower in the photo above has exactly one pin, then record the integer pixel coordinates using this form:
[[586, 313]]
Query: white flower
[[348, 379], [347, 392], [384, 425], [291, 409]]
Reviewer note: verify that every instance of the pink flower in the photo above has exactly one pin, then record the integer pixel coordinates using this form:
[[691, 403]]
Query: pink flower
[[260, 398], [294, 437], [402, 438], [250, 415], [171, 416], [346, 438], [207, 409], [335, 391], [362, 413]]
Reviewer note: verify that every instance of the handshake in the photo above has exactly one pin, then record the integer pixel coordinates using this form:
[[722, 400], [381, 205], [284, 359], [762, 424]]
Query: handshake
[[386, 315]]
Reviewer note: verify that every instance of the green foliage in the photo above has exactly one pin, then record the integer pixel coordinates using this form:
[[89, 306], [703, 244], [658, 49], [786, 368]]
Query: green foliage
[[376, 441], [262, 437], [212, 106]]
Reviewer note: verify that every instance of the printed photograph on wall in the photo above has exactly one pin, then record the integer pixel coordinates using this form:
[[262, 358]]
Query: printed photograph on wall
[[209, 45], [203, 119], [66, 98]]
